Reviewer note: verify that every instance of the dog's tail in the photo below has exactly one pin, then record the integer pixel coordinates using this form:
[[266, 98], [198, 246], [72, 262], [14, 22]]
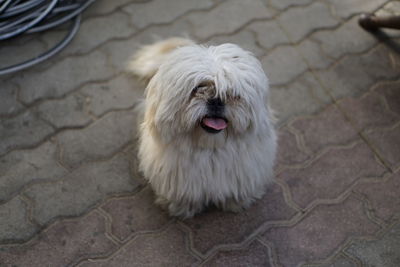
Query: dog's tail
[[146, 61]]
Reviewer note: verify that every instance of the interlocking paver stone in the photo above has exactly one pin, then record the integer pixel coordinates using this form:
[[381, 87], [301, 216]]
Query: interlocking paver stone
[[283, 4], [63, 77], [340, 261], [132, 155], [62, 244], [314, 55], [289, 152], [302, 97], [99, 8], [346, 165], [268, 33], [66, 112], [391, 92], [100, 140], [283, 64], [95, 31], [387, 142], [391, 8], [255, 254], [121, 92], [337, 132], [355, 74], [368, 111], [15, 51], [23, 167], [50, 39], [379, 252], [215, 227], [319, 234], [348, 38], [301, 21], [167, 248], [8, 93], [135, 214], [387, 205], [219, 20], [81, 189], [25, 130], [143, 14], [14, 223], [345, 9]]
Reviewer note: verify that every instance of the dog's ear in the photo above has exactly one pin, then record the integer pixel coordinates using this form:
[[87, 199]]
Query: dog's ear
[[159, 129], [159, 117], [146, 61], [150, 113]]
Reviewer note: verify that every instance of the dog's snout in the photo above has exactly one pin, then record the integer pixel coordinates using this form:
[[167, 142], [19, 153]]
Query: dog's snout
[[215, 106], [217, 102]]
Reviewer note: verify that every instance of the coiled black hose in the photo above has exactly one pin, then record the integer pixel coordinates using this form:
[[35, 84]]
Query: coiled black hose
[[30, 16]]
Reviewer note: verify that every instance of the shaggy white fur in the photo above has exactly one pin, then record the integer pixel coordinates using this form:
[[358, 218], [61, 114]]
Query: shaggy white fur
[[207, 135]]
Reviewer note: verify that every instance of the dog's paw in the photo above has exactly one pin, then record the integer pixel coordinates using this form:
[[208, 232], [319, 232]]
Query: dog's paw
[[237, 206], [182, 210]]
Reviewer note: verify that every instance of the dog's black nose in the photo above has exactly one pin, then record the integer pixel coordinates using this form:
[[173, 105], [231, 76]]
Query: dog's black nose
[[215, 102], [215, 106]]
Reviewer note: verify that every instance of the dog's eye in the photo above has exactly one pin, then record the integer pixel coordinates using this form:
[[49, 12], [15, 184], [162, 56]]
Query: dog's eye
[[199, 88], [194, 90]]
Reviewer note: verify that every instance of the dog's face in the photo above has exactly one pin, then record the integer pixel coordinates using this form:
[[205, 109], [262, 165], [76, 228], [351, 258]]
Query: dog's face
[[208, 93]]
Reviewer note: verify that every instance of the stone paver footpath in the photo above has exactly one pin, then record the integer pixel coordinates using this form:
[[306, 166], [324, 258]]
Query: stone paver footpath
[[70, 190]]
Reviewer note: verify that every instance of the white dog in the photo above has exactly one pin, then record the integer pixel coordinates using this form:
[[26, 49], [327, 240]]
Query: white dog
[[207, 136]]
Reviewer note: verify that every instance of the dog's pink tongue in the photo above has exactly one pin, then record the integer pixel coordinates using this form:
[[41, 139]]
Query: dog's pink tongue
[[215, 123]]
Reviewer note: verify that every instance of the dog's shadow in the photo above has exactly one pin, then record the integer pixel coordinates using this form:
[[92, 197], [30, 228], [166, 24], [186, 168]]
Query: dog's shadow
[[389, 41], [213, 227]]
